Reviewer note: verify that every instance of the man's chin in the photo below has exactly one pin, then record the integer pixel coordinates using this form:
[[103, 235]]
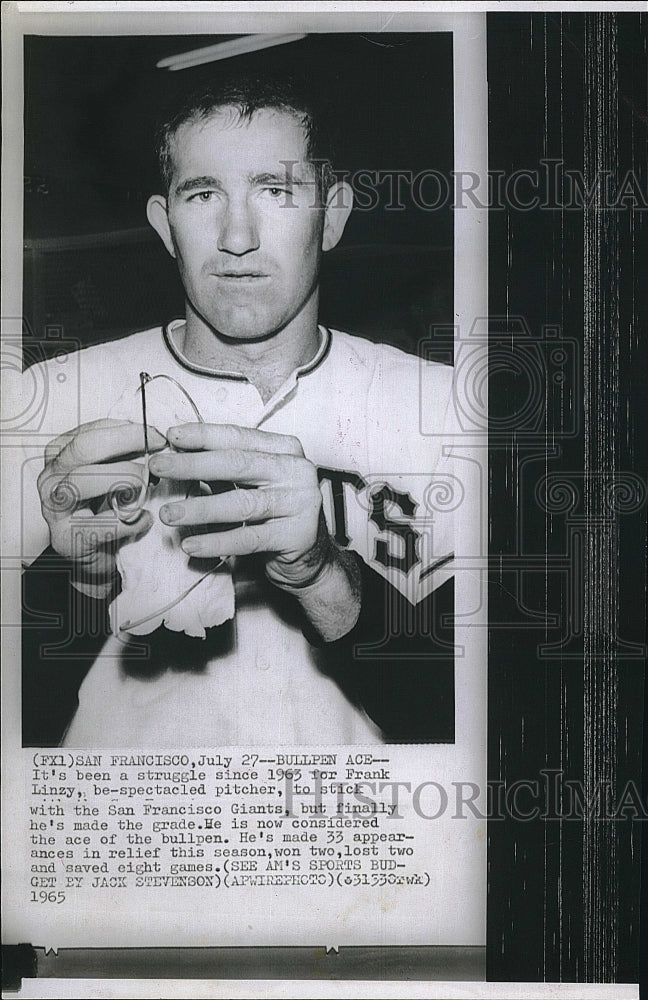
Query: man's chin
[[249, 329]]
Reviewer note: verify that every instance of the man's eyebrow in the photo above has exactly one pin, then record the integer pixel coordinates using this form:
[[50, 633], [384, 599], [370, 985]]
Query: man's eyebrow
[[277, 178], [195, 183]]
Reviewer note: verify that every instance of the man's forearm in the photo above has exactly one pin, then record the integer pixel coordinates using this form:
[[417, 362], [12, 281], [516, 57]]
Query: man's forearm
[[332, 600]]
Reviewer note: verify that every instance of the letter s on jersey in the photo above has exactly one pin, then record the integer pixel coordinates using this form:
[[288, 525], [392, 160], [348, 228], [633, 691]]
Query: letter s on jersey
[[408, 535]]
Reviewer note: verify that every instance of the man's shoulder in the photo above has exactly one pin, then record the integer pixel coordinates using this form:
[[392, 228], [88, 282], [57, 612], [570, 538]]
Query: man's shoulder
[[78, 386], [132, 344], [107, 352], [400, 396], [368, 350], [387, 364]]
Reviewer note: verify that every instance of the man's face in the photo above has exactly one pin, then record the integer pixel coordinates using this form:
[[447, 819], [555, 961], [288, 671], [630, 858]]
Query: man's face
[[245, 228]]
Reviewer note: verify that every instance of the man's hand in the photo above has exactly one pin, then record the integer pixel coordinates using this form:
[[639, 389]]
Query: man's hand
[[276, 509], [79, 468]]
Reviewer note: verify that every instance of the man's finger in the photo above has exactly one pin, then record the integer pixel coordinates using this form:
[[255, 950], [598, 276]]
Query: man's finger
[[62, 494], [234, 507], [58, 443], [255, 468], [94, 444], [85, 532], [244, 541], [211, 437]]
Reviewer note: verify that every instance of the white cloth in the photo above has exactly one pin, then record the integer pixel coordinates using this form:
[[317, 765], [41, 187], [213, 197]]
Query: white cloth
[[155, 572]]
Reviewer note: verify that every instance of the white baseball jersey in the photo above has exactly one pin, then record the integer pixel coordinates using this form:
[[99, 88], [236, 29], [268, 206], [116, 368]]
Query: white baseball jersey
[[356, 408]]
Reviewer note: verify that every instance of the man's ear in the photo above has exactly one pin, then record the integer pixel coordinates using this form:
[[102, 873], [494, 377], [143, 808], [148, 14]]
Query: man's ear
[[156, 213], [339, 202]]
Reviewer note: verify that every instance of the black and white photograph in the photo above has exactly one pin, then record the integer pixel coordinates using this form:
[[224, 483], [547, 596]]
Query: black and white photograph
[[234, 620], [324, 499]]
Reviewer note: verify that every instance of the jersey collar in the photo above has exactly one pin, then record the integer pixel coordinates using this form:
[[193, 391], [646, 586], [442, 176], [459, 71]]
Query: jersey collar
[[169, 332]]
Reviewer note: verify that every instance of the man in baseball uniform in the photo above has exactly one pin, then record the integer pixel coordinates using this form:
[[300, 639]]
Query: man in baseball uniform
[[282, 571]]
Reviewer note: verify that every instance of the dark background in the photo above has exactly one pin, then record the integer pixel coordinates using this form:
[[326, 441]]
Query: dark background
[[567, 694], [94, 267]]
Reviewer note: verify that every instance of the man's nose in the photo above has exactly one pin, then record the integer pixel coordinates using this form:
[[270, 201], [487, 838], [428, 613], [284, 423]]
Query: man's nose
[[238, 230]]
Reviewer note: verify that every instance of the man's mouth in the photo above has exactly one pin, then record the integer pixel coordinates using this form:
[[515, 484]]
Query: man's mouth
[[241, 275]]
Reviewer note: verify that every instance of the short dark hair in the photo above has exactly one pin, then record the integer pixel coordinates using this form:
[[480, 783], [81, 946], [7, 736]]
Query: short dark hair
[[249, 94]]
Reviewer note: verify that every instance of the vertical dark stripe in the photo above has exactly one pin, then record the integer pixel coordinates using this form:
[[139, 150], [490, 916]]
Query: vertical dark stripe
[[600, 409], [567, 507]]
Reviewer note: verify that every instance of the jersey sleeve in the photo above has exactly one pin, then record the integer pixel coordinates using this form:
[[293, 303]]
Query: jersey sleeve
[[46, 403], [397, 663], [407, 508], [63, 632]]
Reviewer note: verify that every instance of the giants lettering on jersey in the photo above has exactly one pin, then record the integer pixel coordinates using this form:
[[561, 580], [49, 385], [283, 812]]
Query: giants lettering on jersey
[[383, 523], [391, 511]]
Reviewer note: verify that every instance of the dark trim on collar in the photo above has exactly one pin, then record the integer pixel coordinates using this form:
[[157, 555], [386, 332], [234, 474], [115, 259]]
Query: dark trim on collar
[[320, 356], [189, 365]]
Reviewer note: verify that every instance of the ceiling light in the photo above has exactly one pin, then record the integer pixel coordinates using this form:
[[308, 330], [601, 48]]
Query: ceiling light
[[225, 50]]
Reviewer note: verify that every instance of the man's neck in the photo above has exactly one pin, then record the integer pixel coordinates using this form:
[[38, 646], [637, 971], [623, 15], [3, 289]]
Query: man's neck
[[267, 363]]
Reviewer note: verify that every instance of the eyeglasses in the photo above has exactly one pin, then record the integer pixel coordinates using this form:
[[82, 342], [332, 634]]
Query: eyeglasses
[[128, 511]]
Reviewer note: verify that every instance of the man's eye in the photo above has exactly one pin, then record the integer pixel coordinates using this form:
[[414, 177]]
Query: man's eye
[[202, 196], [276, 192]]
